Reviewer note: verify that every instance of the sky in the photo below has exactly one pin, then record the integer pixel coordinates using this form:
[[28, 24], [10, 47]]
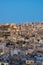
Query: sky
[[19, 11]]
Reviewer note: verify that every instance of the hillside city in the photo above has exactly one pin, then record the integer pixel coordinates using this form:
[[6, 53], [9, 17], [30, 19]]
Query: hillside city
[[21, 44]]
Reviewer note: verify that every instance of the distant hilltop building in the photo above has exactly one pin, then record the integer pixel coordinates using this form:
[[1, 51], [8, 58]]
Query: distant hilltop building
[[20, 31]]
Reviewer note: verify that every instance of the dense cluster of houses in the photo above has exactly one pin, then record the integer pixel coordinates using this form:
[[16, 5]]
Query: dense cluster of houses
[[21, 44]]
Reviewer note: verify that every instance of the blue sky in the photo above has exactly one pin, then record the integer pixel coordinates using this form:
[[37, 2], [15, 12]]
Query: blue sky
[[19, 11]]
